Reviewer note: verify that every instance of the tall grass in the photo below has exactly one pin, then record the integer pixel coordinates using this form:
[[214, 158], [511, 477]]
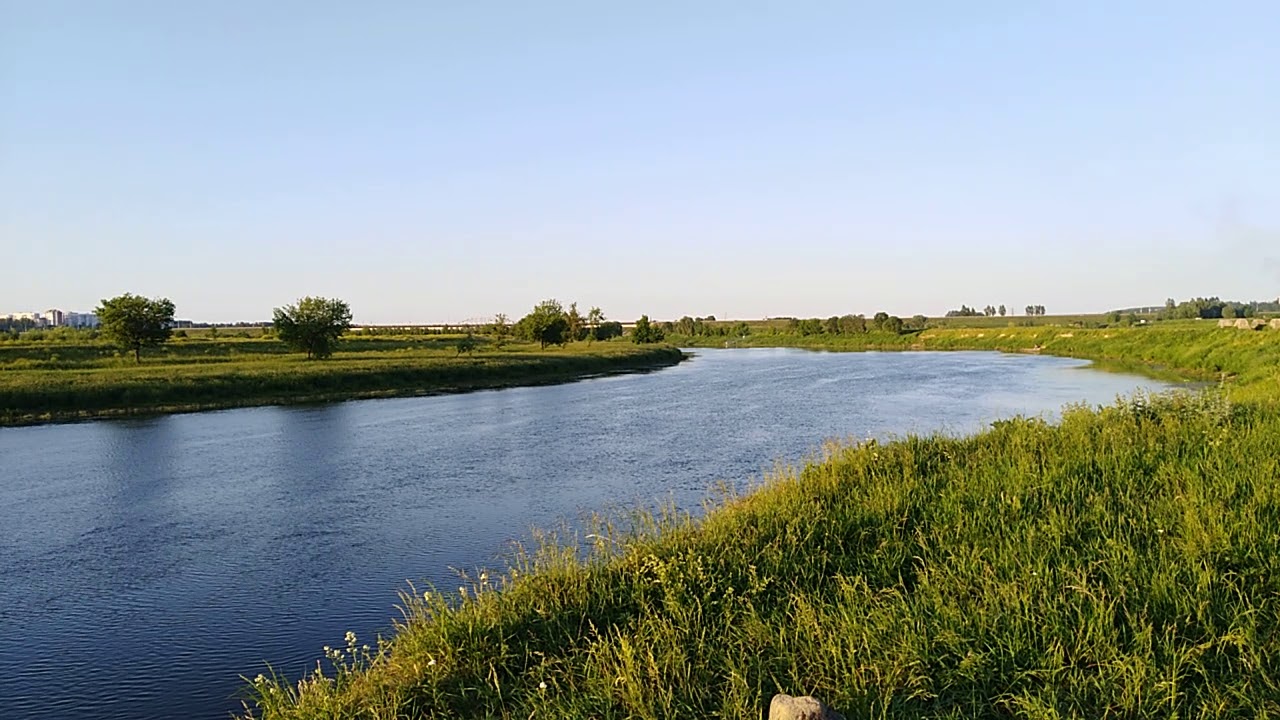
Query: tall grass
[[1124, 562]]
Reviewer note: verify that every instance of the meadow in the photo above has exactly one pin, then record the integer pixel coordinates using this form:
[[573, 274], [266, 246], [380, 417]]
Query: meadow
[[1123, 562], [56, 381]]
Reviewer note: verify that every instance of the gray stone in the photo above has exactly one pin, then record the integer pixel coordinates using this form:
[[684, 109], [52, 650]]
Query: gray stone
[[785, 707]]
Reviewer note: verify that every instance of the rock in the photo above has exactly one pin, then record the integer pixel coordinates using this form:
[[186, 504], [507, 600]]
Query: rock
[[1244, 324], [1226, 323], [785, 707]]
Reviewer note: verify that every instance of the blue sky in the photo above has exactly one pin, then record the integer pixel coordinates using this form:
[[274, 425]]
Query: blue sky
[[439, 162]]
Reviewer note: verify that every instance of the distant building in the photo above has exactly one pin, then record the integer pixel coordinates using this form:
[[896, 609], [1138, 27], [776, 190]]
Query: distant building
[[54, 317], [81, 320]]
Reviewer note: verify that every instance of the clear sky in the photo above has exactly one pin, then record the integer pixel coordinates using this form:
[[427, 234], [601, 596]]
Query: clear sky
[[445, 161]]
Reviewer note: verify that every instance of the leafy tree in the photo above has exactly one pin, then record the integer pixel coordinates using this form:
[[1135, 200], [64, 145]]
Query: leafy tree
[[134, 322], [809, 326], [500, 328], [1031, 310], [576, 323], [594, 318], [645, 332], [989, 311], [546, 324], [608, 329], [879, 319], [1002, 310], [466, 344], [853, 324], [313, 325], [892, 324], [919, 321]]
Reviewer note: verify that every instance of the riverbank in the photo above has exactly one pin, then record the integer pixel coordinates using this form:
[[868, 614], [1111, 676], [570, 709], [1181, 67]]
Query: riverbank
[[1198, 351], [1121, 562], [56, 383]]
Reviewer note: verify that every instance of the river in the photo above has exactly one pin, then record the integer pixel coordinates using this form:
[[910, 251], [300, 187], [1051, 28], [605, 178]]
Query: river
[[148, 564]]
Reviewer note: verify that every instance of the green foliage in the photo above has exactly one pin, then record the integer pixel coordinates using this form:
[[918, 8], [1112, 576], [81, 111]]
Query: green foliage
[[40, 382], [547, 324], [594, 319], [313, 325], [500, 329], [133, 322], [575, 324], [1119, 564], [466, 344], [1214, 307], [608, 329], [645, 332]]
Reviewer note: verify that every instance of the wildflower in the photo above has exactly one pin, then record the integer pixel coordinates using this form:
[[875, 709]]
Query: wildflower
[[542, 685], [351, 638], [431, 662], [365, 648]]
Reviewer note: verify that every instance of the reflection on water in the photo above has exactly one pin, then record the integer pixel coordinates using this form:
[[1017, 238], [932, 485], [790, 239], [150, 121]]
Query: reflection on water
[[150, 563]]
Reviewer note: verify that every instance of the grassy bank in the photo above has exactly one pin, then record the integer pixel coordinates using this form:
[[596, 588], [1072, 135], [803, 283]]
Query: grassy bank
[[1124, 562], [53, 382]]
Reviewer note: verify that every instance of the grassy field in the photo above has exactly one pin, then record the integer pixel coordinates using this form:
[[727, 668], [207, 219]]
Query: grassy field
[[1124, 563], [45, 381]]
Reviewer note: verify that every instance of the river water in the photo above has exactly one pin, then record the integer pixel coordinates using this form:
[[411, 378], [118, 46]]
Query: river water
[[145, 565]]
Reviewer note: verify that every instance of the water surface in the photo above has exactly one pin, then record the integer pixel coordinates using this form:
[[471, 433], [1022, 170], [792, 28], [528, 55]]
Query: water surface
[[147, 564]]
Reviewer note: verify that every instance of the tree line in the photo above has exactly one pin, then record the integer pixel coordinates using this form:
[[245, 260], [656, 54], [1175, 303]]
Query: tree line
[[1214, 308], [314, 325], [992, 311]]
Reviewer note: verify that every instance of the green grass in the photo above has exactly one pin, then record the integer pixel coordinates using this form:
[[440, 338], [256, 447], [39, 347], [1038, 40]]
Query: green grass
[[1124, 562], [42, 382]]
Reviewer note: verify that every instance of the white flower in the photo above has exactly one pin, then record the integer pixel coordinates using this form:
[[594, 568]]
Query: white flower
[[351, 638], [431, 663], [542, 686]]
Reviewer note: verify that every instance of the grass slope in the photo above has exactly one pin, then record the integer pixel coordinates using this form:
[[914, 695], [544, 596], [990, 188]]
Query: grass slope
[[49, 382], [1121, 563]]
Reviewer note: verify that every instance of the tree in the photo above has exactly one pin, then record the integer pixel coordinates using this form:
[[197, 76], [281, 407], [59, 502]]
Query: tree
[[1002, 310], [576, 323], [134, 322], [879, 319], [466, 344], [645, 332], [608, 329], [500, 328], [1031, 310], [594, 318], [546, 324], [313, 325]]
